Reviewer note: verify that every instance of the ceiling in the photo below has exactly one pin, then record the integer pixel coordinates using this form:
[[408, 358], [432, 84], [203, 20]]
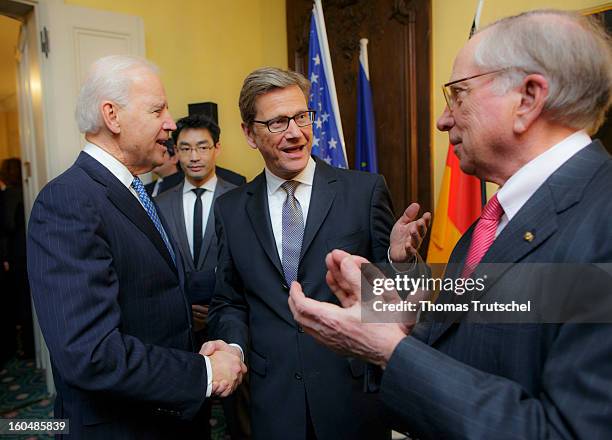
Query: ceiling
[[9, 32]]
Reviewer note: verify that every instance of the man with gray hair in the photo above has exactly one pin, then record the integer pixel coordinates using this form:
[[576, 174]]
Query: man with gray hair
[[106, 279], [524, 95]]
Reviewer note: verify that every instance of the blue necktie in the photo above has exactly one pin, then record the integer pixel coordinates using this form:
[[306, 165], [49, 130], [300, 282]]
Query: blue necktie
[[293, 232], [152, 213]]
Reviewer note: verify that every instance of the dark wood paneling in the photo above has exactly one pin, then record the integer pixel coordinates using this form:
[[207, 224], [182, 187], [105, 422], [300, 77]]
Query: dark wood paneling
[[399, 34]]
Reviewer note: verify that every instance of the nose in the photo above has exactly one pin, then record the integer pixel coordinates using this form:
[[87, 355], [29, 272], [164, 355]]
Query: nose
[[293, 130], [446, 121], [169, 122]]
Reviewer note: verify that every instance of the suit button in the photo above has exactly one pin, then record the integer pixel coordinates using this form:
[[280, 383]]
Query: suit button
[[286, 287], [298, 376], [300, 329]]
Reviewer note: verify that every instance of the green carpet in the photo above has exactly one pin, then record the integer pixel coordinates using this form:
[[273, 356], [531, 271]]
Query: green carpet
[[23, 395]]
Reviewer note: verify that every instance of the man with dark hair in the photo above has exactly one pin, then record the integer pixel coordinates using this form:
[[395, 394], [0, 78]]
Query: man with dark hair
[[187, 209], [523, 96]]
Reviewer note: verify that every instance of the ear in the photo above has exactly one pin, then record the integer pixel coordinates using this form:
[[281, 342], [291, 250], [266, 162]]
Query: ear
[[533, 91], [110, 117], [249, 135]]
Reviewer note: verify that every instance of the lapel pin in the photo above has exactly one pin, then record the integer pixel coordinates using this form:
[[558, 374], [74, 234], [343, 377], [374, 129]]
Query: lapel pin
[[528, 236]]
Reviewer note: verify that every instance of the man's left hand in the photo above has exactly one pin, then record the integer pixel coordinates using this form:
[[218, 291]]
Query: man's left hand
[[408, 234]]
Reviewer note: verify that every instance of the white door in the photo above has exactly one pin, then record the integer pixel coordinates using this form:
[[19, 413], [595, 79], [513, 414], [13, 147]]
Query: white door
[[48, 83], [77, 36]]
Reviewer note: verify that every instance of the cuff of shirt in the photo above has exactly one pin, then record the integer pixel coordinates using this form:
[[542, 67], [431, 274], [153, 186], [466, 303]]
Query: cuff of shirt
[[209, 376], [413, 263], [241, 351]]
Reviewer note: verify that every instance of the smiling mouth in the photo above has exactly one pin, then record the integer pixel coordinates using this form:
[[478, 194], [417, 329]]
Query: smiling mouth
[[295, 149]]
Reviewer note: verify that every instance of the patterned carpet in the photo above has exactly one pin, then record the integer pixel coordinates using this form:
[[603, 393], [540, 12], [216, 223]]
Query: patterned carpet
[[23, 395]]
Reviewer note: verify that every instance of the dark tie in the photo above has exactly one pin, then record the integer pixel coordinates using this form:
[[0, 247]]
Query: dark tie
[[484, 235], [197, 224], [152, 213], [293, 231]]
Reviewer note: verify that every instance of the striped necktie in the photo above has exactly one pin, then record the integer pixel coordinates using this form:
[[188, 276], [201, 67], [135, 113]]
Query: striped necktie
[[483, 236], [293, 231], [149, 207]]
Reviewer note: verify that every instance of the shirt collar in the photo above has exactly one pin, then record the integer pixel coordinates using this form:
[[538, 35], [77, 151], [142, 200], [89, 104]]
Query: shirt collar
[[305, 177], [210, 185], [525, 182], [111, 163]]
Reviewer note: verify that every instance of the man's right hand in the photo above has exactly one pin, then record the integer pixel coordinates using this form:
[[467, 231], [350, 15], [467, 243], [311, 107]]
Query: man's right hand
[[227, 366]]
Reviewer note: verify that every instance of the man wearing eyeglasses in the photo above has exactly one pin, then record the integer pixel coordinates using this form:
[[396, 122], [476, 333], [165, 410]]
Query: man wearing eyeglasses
[[187, 209], [279, 228], [524, 95]]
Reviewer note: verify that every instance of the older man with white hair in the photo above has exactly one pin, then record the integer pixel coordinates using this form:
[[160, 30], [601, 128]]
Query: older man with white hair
[[523, 96], [106, 279]]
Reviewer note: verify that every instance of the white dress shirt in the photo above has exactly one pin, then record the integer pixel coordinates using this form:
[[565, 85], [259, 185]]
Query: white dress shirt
[[121, 172], [112, 164], [525, 182], [277, 196], [189, 199], [158, 183]]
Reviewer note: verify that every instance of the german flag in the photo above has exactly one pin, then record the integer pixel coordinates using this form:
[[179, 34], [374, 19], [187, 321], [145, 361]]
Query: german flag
[[459, 205]]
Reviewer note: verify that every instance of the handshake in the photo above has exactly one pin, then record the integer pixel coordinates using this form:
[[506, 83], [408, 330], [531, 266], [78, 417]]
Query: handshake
[[227, 366]]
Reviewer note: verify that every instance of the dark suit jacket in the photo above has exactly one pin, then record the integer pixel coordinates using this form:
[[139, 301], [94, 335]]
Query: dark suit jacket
[[169, 182], [230, 176], [112, 310], [200, 282], [348, 210], [510, 381]]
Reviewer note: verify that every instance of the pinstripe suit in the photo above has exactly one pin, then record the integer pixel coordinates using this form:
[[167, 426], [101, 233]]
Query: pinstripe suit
[[112, 310], [521, 381]]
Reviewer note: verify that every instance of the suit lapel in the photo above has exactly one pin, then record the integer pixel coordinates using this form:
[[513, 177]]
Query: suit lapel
[[259, 216], [178, 217], [563, 189], [321, 199], [209, 234], [125, 202]]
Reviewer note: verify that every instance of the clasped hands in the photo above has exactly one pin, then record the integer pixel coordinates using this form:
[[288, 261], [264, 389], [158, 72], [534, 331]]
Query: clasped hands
[[227, 366]]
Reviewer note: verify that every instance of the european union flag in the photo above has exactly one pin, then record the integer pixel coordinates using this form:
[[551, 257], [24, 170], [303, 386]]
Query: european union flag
[[365, 145], [328, 140]]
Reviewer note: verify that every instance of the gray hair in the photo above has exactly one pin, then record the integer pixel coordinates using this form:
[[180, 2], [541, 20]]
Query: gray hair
[[573, 52], [107, 80], [262, 81]]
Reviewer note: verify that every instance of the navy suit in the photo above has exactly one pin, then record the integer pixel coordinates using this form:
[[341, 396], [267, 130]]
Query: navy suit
[[112, 310], [293, 378], [511, 381]]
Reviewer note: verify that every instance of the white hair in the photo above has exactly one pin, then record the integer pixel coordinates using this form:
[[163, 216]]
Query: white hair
[[573, 53], [107, 80]]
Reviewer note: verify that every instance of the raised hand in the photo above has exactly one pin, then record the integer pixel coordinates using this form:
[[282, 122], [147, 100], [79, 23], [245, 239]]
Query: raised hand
[[408, 234]]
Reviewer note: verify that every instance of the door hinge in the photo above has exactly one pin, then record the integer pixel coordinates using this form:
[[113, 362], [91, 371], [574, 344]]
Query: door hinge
[[44, 41]]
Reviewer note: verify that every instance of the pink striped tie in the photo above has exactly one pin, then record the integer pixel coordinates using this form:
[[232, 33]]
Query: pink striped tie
[[484, 235]]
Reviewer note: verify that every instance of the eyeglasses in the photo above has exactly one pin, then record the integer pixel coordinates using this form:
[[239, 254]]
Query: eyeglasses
[[280, 124], [453, 93], [199, 150]]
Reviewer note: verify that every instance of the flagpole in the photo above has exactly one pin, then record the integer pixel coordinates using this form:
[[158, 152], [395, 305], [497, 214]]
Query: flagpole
[[320, 22], [473, 30]]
